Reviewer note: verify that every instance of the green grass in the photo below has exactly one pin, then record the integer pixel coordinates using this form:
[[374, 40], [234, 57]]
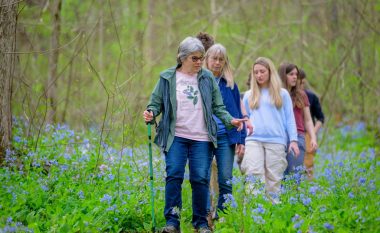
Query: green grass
[[70, 182]]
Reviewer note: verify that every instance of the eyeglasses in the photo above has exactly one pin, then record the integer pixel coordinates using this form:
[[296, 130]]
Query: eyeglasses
[[195, 58], [220, 59]]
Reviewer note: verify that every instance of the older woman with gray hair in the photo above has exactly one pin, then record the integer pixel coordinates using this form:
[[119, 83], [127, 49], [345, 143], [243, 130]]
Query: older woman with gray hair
[[187, 96]]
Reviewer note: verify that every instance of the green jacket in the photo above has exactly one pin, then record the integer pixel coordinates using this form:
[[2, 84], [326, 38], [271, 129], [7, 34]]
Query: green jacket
[[163, 100]]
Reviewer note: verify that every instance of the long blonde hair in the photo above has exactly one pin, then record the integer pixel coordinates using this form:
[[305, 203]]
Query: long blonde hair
[[274, 84], [219, 49]]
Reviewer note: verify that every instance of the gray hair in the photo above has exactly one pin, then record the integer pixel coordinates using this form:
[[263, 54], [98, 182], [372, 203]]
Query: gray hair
[[227, 74], [187, 46]]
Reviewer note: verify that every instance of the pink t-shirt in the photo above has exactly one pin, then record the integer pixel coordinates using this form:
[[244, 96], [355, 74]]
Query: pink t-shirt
[[190, 121], [298, 114]]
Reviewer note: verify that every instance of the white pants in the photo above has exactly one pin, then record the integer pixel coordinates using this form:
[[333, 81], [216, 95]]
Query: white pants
[[266, 161]]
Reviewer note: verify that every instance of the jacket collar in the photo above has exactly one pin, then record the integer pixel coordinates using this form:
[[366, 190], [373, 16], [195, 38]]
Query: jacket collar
[[169, 73]]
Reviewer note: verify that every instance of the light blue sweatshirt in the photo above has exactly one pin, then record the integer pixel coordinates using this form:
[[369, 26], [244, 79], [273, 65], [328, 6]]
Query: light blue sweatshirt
[[270, 124]]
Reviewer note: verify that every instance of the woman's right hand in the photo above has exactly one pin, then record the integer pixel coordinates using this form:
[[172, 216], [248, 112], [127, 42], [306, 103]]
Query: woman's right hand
[[249, 127], [148, 116], [293, 146]]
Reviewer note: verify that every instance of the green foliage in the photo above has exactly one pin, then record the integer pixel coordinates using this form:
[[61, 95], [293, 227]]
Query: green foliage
[[76, 182], [111, 53]]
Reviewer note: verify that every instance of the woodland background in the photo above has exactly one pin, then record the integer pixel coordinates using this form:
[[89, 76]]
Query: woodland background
[[76, 75], [93, 63]]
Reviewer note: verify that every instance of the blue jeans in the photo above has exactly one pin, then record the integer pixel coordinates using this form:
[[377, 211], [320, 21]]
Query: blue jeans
[[199, 155], [294, 163], [224, 156]]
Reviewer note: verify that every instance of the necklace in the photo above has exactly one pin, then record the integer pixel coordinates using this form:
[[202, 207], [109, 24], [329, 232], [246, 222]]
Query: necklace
[[217, 80]]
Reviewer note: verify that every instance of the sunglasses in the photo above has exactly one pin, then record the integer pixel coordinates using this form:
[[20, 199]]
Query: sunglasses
[[195, 58]]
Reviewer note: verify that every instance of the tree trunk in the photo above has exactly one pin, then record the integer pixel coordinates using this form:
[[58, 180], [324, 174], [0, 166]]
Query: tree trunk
[[214, 21], [8, 21], [101, 39], [51, 91]]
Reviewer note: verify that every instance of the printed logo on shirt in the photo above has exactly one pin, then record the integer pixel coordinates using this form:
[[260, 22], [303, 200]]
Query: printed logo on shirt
[[191, 94]]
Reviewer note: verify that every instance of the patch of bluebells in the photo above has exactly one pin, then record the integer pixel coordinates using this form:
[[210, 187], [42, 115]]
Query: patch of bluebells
[[345, 130], [234, 181], [44, 187], [258, 219], [253, 179], [106, 198], [313, 190], [63, 168], [112, 208], [295, 217], [360, 126], [67, 156], [297, 177], [10, 157], [12, 226], [328, 226], [293, 200], [298, 224], [111, 177], [229, 200], [127, 152], [372, 185], [362, 181], [31, 154], [63, 132], [17, 139], [306, 201], [81, 194], [259, 210]]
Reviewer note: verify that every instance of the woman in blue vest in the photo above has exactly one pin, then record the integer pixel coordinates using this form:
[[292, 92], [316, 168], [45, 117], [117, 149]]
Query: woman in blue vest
[[229, 140]]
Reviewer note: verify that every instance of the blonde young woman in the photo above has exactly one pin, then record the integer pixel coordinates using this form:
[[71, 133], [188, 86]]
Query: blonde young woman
[[230, 141], [289, 74], [270, 111]]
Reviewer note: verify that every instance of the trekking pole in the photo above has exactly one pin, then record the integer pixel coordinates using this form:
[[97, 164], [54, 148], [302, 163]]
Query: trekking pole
[[151, 173]]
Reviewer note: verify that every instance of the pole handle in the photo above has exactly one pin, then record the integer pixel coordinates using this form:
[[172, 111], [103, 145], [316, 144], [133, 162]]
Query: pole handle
[[152, 121]]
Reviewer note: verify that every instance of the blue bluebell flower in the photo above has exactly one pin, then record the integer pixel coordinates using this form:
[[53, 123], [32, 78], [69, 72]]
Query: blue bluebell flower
[[298, 224], [17, 138], [362, 180], [81, 194], [306, 201], [111, 208], [229, 200], [63, 168], [106, 198], [259, 209], [313, 190], [295, 217], [45, 188], [363, 170], [293, 200], [360, 126], [258, 219], [328, 226]]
